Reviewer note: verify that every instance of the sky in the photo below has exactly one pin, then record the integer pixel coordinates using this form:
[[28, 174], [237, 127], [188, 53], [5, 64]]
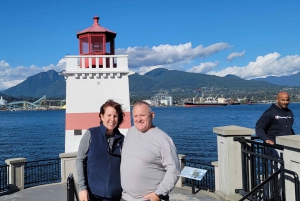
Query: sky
[[249, 39]]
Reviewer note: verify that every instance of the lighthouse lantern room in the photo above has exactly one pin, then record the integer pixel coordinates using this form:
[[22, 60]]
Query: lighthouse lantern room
[[96, 40], [93, 77]]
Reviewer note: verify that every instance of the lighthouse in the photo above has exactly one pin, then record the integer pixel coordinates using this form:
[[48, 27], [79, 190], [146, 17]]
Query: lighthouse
[[93, 77]]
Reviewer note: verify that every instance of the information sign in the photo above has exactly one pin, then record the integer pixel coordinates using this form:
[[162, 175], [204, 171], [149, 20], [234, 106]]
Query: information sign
[[193, 173]]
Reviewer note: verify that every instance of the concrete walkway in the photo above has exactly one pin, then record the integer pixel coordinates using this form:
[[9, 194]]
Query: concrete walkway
[[58, 192]]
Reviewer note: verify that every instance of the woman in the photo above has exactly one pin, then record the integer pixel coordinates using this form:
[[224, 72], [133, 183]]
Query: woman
[[99, 157]]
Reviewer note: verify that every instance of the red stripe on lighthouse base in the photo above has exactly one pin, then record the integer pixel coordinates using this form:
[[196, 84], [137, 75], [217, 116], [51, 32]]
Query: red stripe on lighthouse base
[[83, 121]]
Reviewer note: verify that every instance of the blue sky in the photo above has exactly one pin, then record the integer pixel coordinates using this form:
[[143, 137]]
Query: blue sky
[[249, 39]]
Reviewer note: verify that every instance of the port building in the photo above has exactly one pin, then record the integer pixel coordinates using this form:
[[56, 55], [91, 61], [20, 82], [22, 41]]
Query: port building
[[162, 98]]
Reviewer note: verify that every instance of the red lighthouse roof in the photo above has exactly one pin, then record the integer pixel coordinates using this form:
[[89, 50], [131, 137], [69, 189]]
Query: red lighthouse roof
[[96, 28]]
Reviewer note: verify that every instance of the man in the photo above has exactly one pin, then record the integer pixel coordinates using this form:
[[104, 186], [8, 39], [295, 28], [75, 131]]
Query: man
[[150, 164], [276, 121]]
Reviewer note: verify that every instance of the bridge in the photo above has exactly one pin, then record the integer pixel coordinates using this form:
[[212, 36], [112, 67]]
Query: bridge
[[40, 104]]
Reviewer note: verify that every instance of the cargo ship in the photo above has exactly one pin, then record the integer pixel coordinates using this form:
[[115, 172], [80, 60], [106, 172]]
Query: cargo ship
[[205, 102]]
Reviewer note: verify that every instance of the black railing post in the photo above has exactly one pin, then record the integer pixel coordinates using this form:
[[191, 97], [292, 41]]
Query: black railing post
[[193, 186], [253, 166], [4, 178], [244, 173], [282, 178], [70, 188]]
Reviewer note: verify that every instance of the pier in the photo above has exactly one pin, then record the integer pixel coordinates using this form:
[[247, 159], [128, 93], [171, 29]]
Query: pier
[[238, 174], [57, 192]]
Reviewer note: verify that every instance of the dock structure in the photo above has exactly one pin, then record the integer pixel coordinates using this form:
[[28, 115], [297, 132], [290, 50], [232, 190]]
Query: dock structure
[[26, 104], [40, 104]]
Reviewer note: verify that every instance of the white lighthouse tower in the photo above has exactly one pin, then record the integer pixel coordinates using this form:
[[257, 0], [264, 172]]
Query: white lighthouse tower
[[93, 77]]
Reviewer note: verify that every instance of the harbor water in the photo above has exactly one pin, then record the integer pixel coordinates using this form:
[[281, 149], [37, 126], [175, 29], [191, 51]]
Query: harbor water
[[37, 135]]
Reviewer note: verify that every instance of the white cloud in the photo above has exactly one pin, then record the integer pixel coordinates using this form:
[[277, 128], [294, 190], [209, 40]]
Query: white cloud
[[3, 65], [141, 60], [203, 67], [10, 76], [167, 54], [144, 59], [234, 55], [268, 65]]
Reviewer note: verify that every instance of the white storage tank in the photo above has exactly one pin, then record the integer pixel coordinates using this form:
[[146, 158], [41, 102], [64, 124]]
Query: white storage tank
[[3, 102]]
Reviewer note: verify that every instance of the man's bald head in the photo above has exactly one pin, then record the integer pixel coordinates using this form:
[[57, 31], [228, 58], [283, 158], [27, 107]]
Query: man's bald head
[[283, 99]]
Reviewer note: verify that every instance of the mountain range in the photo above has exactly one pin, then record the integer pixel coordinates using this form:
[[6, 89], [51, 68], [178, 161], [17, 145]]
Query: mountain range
[[48, 83], [179, 84], [291, 80]]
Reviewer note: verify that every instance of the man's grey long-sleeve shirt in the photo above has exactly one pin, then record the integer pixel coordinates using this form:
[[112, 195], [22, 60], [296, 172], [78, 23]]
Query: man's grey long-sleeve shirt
[[149, 164]]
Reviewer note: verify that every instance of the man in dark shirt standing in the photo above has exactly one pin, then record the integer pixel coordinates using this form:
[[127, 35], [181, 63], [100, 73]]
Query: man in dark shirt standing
[[276, 121]]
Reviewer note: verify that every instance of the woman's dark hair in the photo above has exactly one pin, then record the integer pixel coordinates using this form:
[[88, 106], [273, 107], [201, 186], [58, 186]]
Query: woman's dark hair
[[116, 106]]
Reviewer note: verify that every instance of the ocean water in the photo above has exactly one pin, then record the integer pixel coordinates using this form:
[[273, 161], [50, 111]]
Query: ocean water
[[37, 135]]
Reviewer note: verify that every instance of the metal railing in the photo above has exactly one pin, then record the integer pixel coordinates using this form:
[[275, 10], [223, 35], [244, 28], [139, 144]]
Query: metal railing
[[4, 178], [71, 189], [263, 173], [208, 180], [42, 172], [90, 63], [267, 194]]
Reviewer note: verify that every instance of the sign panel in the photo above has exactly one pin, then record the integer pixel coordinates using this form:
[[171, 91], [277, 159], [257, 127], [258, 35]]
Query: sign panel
[[192, 173]]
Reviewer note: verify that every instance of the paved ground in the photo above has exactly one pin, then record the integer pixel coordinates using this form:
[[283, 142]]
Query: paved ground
[[58, 192]]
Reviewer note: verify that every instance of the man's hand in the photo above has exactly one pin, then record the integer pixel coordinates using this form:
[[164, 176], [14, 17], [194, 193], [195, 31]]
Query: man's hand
[[152, 197], [83, 195], [270, 142]]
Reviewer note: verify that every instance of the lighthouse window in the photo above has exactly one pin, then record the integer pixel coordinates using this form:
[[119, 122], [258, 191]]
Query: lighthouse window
[[108, 47], [84, 45], [77, 132], [97, 44]]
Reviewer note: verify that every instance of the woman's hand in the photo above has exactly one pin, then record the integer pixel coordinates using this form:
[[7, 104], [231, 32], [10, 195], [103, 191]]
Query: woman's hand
[[83, 195]]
